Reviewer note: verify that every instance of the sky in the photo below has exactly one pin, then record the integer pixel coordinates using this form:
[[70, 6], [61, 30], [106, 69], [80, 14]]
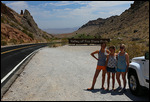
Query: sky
[[68, 14]]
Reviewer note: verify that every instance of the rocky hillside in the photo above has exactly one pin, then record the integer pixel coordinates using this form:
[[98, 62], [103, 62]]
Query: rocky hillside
[[131, 25], [20, 28]]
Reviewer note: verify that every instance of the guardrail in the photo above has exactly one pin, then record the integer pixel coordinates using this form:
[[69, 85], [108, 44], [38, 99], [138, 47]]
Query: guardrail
[[87, 41]]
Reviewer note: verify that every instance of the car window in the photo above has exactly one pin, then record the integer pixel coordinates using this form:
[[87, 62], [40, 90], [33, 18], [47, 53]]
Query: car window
[[147, 55]]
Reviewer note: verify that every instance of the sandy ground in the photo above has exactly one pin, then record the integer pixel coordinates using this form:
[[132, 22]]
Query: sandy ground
[[63, 74]]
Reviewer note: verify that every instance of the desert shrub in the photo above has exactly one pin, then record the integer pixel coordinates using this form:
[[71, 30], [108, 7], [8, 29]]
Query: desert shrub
[[55, 38], [97, 36], [64, 40], [3, 43], [83, 36], [2, 37], [133, 48], [29, 34], [12, 24], [53, 44], [116, 43], [24, 31], [46, 37], [147, 44], [136, 39], [135, 31], [136, 49], [21, 41], [142, 41], [14, 41], [2, 20]]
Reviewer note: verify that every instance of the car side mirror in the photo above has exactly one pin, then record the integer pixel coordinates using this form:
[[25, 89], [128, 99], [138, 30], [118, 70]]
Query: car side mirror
[[147, 55]]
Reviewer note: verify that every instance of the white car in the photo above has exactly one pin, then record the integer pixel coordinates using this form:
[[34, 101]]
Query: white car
[[138, 74]]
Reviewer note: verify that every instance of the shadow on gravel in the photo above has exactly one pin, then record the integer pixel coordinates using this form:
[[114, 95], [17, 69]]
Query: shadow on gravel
[[130, 95], [102, 91], [117, 92], [93, 91], [137, 98]]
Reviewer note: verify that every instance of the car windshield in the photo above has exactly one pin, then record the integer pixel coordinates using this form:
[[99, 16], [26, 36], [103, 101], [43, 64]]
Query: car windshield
[[147, 55]]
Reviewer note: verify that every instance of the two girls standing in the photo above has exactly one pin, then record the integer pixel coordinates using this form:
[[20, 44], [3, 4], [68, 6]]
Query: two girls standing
[[112, 63]]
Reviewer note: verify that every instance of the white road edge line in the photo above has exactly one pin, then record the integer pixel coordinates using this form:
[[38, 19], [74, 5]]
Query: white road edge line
[[16, 67]]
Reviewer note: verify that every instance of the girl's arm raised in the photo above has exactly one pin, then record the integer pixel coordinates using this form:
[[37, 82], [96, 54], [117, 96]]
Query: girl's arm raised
[[92, 54], [108, 52]]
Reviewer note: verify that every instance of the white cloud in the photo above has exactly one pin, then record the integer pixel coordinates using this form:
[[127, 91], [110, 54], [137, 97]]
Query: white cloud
[[61, 3], [107, 3], [90, 3], [68, 9], [49, 15], [18, 5], [81, 2], [64, 3]]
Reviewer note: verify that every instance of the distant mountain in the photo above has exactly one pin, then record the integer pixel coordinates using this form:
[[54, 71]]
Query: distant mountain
[[132, 24], [60, 30], [20, 28]]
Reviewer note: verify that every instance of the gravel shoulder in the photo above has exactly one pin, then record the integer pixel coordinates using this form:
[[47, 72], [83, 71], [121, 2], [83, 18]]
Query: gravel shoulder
[[63, 74]]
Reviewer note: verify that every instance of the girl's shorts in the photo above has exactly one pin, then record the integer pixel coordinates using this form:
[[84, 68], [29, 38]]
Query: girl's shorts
[[113, 70], [121, 70], [101, 67]]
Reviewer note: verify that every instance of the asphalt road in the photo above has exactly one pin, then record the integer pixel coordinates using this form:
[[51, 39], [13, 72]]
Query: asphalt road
[[11, 56]]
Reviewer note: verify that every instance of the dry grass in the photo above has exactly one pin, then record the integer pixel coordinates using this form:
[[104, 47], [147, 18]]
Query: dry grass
[[133, 48]]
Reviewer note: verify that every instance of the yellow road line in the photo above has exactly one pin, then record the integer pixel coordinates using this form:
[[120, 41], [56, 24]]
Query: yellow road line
[[16, 49]]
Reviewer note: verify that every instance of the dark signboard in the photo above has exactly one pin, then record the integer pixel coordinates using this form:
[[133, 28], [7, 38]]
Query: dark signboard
[[87, 41]]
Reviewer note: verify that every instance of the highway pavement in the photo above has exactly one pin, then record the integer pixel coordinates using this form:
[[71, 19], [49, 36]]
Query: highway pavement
[[11, 56]]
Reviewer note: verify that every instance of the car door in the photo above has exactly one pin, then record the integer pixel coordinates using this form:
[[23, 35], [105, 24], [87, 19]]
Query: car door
[[146, 70]]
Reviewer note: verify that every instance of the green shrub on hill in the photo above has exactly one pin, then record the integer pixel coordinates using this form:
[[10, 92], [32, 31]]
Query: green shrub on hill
[[84, 36], [14, 41], [29, 34], [3, 43], [133, 48]]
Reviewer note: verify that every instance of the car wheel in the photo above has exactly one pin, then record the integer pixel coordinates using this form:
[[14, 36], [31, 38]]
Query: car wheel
[[134, 85]]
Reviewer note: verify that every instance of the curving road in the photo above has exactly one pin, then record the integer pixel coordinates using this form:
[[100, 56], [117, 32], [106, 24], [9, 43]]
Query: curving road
[[11, 56]]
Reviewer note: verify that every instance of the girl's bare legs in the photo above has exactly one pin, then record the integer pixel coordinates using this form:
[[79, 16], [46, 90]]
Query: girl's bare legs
[[113, 80], [94, 79], [108, 80], [118, 78], [124, 79], [103, 78]]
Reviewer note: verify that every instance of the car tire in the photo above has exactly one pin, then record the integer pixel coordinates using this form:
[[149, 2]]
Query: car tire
[[134, 86]]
